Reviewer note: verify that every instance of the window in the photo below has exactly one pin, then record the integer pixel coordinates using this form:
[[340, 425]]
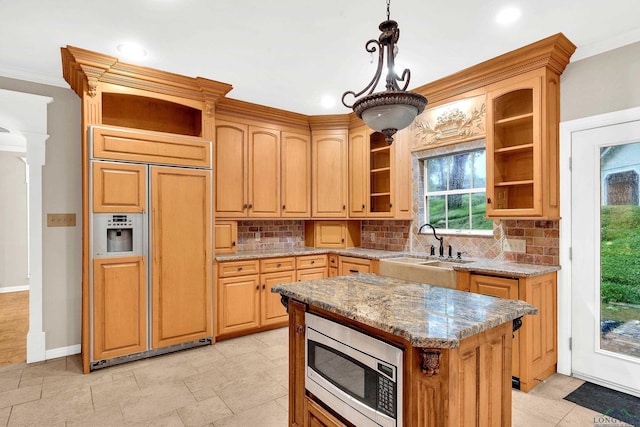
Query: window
[[455, 193]]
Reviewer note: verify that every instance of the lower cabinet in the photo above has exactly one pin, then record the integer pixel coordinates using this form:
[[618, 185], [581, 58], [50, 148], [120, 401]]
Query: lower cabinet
[[535, 352], [333, 265], [119, 306], [350, 265], [316, 416], [245, 303]]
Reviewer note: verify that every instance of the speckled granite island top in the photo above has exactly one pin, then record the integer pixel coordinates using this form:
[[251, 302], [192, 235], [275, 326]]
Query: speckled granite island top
[[426, 316]]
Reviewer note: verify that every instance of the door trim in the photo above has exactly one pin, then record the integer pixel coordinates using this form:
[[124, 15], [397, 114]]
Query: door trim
[[564, 275]]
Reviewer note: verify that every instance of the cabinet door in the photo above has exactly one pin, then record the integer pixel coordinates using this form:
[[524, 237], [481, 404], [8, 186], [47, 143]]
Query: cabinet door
[[330, 234], [231, 199], [349, 265], [296, 175], [181, 252], [119, 306], [316, 416], [501, 288], [358, 173], [401, 175], [329, 172], [311, 274], [380, 177], [271, 309], [226, 237], [264, 172], [119, 187], [514, 149], [238, 304]]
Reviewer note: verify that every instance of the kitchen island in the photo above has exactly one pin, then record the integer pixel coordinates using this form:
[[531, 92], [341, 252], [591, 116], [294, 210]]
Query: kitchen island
[[456, 347]]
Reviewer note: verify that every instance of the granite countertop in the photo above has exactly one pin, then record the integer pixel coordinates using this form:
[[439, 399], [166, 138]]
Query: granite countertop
[[491, 266], [269, 253], [427, 316]]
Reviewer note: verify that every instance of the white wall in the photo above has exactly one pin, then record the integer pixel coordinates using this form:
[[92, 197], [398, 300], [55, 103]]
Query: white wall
[[13, 220], [601, 84], [61, 188]]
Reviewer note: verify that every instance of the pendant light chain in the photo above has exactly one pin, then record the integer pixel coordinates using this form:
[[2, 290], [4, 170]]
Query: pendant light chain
[[388, 13]]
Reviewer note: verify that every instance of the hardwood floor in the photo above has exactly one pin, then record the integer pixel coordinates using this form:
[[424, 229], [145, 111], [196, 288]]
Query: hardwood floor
[[14, 325]]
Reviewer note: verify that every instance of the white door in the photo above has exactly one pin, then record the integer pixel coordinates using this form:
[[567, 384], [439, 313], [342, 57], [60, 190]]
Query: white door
[[605, 266]]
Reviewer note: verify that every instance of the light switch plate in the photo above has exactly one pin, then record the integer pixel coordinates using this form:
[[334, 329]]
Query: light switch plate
[[61, 220], [514, 245]]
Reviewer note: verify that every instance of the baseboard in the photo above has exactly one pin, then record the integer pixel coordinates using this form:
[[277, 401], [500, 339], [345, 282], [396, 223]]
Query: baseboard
[[62, 351], [7, 289]]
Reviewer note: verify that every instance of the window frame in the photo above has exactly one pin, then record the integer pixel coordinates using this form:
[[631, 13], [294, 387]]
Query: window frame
[[467, 191]]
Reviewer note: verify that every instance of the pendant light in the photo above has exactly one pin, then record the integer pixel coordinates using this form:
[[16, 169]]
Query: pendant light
[[395, 108]]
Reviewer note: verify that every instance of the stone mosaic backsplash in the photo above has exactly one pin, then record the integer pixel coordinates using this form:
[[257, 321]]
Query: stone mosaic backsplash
[[390, 235]]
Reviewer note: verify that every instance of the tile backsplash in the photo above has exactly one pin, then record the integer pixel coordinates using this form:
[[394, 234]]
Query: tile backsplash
[[386, 235], [270, 234]]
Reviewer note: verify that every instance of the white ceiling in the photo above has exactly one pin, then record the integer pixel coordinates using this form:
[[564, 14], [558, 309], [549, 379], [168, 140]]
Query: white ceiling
[[289, 53]]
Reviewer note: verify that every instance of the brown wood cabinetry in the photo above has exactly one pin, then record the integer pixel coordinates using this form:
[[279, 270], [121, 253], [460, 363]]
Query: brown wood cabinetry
[[379, 175], [316, 416], [296, 175], [329, 174], [264, 173], [311, 267], [271, 309], [119, 306], [226, 237], [119, 187], [350, 265], [181, 255], [238, 304], [333, 265], [472, 387], [535, 344], [332, 234]]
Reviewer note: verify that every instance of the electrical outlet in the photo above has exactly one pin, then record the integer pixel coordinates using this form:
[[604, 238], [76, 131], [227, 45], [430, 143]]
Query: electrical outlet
[[257, 236], [514, 245], [61, 220]]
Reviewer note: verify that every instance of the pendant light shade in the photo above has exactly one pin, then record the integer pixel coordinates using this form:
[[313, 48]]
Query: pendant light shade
[[395, 108]]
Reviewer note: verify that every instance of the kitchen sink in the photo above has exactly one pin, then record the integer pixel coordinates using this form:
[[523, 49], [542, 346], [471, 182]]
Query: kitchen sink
[[424, 270]]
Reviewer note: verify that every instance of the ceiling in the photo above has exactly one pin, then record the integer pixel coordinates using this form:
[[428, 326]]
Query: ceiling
[[288, 54]]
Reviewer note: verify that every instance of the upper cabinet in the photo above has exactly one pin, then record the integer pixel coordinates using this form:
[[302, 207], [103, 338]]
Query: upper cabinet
[[296, 175], [521, 91], [379, 175], [261, 172], [329, 174], [522, 147]]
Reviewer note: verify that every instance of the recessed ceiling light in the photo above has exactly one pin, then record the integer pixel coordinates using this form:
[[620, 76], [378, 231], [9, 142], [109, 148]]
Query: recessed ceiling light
[[328, 101], [132, 51], [508, 15]]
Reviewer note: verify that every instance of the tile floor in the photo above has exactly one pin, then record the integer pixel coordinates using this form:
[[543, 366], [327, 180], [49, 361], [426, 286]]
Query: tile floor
[[239, 382]]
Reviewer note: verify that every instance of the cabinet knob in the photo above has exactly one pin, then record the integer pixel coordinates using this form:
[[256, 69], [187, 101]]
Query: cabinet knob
[[239, 268], [363, 206], [284, 207], [233, 243], [246, 206], [264, 287], [313, 262], [257, 287], [390, 205], [250, 205], [279, 265], [344, 207], [489, 200]]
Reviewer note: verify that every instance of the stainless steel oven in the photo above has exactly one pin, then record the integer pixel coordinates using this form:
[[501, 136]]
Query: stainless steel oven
[[358, 376]]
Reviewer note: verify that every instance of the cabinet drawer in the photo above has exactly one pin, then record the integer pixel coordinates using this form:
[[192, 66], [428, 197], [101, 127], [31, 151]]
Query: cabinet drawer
[[333, 260], [238, 268], [311, 261], [277, 264]]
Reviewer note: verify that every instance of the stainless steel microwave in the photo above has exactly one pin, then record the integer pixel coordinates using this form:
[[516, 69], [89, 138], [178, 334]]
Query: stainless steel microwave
[[358, 376]]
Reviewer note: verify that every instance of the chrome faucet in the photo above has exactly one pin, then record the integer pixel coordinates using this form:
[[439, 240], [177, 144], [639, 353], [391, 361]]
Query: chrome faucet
[[440, 239]]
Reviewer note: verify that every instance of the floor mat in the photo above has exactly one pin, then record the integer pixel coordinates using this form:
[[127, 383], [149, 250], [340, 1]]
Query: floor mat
[[609, 403]]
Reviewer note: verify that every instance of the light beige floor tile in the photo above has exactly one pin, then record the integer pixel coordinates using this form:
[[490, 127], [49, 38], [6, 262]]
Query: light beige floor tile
[[53, 367], [109, 417], [274, 337], [153, 375], [29, 382], [57, 408], [151, 402], [280, 371], [204, 412], [247, 392], [168, 420], [204, 394], [206, 379], [19, 396], [528, 407], [270, 414], [557, 386], [245, 365], [240, 346], [113, 393], [4, 416], [284, 402], [10, 380], [276, 351]]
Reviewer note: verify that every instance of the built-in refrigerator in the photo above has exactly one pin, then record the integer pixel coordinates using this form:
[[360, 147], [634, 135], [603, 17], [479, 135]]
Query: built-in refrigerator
[[150, 270]]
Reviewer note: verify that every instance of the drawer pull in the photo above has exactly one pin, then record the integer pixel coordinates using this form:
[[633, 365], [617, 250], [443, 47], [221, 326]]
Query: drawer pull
[[279, 265], [240, 268], [313, 262], [354, 271]]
